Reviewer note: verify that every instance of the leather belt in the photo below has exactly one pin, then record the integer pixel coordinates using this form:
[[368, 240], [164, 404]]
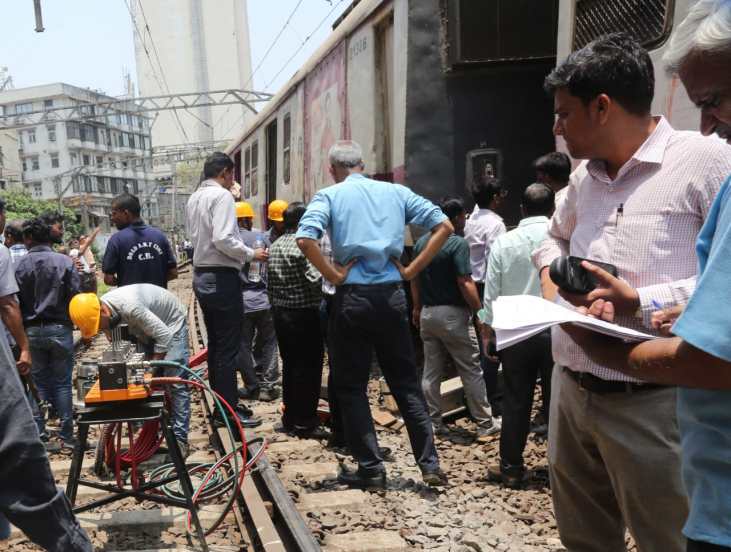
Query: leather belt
[[590, 382]]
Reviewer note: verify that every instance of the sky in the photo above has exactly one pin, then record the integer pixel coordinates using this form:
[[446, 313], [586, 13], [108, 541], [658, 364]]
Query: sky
[[89, 43]]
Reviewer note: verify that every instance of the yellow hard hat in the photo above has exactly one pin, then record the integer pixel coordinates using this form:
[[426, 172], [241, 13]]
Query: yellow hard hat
[[244, 210], [276, 210], [85, 312]]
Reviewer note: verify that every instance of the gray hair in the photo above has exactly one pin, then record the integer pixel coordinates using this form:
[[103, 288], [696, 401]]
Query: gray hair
[[345, 153], [706, 28]]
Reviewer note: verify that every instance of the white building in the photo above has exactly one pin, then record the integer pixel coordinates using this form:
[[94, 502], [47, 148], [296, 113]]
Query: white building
[[86, 162], [192, 46]]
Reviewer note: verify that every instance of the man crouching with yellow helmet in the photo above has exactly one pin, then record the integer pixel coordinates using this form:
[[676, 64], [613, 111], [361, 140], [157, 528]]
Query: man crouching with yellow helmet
[[157, 320]]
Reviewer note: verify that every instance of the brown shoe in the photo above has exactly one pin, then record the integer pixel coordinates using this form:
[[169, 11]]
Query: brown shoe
[[495, 473]]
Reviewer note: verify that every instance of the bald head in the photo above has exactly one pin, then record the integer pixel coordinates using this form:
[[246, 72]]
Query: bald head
[[538, 200]]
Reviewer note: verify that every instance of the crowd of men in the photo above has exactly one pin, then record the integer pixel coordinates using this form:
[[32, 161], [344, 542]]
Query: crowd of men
[[638, 434]]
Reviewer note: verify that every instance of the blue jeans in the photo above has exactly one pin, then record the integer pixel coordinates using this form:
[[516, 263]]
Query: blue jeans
[[179, 392], [52, 349]]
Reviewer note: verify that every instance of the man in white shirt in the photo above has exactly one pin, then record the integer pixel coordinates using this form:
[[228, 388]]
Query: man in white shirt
[[482, 229], [219, 254]]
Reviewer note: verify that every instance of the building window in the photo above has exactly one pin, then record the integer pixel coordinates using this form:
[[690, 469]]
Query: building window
[[247, 173], [25, 164], [648, 21], [125, 164], [30, 136], [74, 159], [286, 147], [99, 161], [104, 185], [86, 160], [47, 104], [51, 129], [37, 189], [35, 165], [87, 183], [72, 131], [23, 108], [54, 161], [132, 141]]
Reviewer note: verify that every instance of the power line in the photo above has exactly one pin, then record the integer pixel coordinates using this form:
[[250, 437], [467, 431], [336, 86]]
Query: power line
[[266, 54], [297, 51], [159, 63], [161, 82]]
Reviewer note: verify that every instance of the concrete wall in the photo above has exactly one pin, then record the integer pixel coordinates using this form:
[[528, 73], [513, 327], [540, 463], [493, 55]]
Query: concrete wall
[[202, 45]]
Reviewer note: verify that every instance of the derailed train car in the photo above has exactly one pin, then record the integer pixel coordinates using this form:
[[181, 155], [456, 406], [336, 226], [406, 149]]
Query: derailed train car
[[439, 93]]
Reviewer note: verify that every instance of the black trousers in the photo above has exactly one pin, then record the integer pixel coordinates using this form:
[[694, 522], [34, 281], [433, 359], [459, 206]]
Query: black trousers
[[522, 363], [698, 546], [301, 347], [336, 422], [490, 370], [218, 291], [29, 497], [375, 317]]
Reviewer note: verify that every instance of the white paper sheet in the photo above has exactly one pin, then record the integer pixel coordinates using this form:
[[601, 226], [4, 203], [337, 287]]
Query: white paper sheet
[[519, 317]]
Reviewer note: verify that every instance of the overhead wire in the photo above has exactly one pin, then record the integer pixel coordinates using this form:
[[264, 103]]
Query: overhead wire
[[296, 52], [161, 79], [264, 57]]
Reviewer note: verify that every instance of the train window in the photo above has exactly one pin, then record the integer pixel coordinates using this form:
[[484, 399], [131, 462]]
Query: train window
[[247, 173], [500, 30], [649, 21], [286, 147], [254, 167], [483, 163]]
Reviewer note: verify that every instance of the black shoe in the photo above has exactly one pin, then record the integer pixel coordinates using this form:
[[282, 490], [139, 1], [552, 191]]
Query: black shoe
[[249, 394], [358, 481], [268, 395], [434, 478], [245, 421], [245, 411], [512, 479], [317, 432]]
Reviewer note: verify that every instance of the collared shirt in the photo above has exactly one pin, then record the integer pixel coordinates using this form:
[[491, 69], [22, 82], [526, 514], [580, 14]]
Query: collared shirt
[[211, 222], [366, 219], [482, 229], [47, 281], [644, 222], [704, 415], [438, 281], [294, 283], [17, 251], [139, 254], [154, 315], [255, 293], [509, 267]]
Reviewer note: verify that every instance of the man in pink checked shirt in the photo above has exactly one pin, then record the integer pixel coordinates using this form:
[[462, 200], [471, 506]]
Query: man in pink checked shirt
[[613, 440]]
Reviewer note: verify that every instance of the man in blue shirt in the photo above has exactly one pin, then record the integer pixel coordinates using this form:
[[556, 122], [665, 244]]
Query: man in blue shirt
[[365, 219], [699, 359], [138, 253], [47, 281]]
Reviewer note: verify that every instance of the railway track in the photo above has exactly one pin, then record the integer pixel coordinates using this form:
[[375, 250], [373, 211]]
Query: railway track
[[292, 501]]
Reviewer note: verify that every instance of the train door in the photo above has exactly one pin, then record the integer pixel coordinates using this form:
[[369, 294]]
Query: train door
[[271, 160], [385, 82]]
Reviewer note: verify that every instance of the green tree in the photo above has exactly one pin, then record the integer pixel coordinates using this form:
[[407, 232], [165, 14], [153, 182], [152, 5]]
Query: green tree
[[20, 205]]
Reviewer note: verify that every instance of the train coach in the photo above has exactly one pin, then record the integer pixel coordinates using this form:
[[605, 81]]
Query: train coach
[[439, 93]]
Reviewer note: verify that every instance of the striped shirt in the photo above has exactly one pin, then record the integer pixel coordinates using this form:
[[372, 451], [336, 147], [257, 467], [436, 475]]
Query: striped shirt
[[294, 282], [645, 222]]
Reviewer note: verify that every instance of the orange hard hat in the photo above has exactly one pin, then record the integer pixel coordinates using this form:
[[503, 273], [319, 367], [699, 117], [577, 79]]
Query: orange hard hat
[[276, 210], [243, 210]]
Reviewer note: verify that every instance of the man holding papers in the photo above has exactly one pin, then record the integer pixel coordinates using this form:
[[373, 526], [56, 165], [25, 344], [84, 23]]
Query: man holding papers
[[613, 439], [699, 359], [510, 272]]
